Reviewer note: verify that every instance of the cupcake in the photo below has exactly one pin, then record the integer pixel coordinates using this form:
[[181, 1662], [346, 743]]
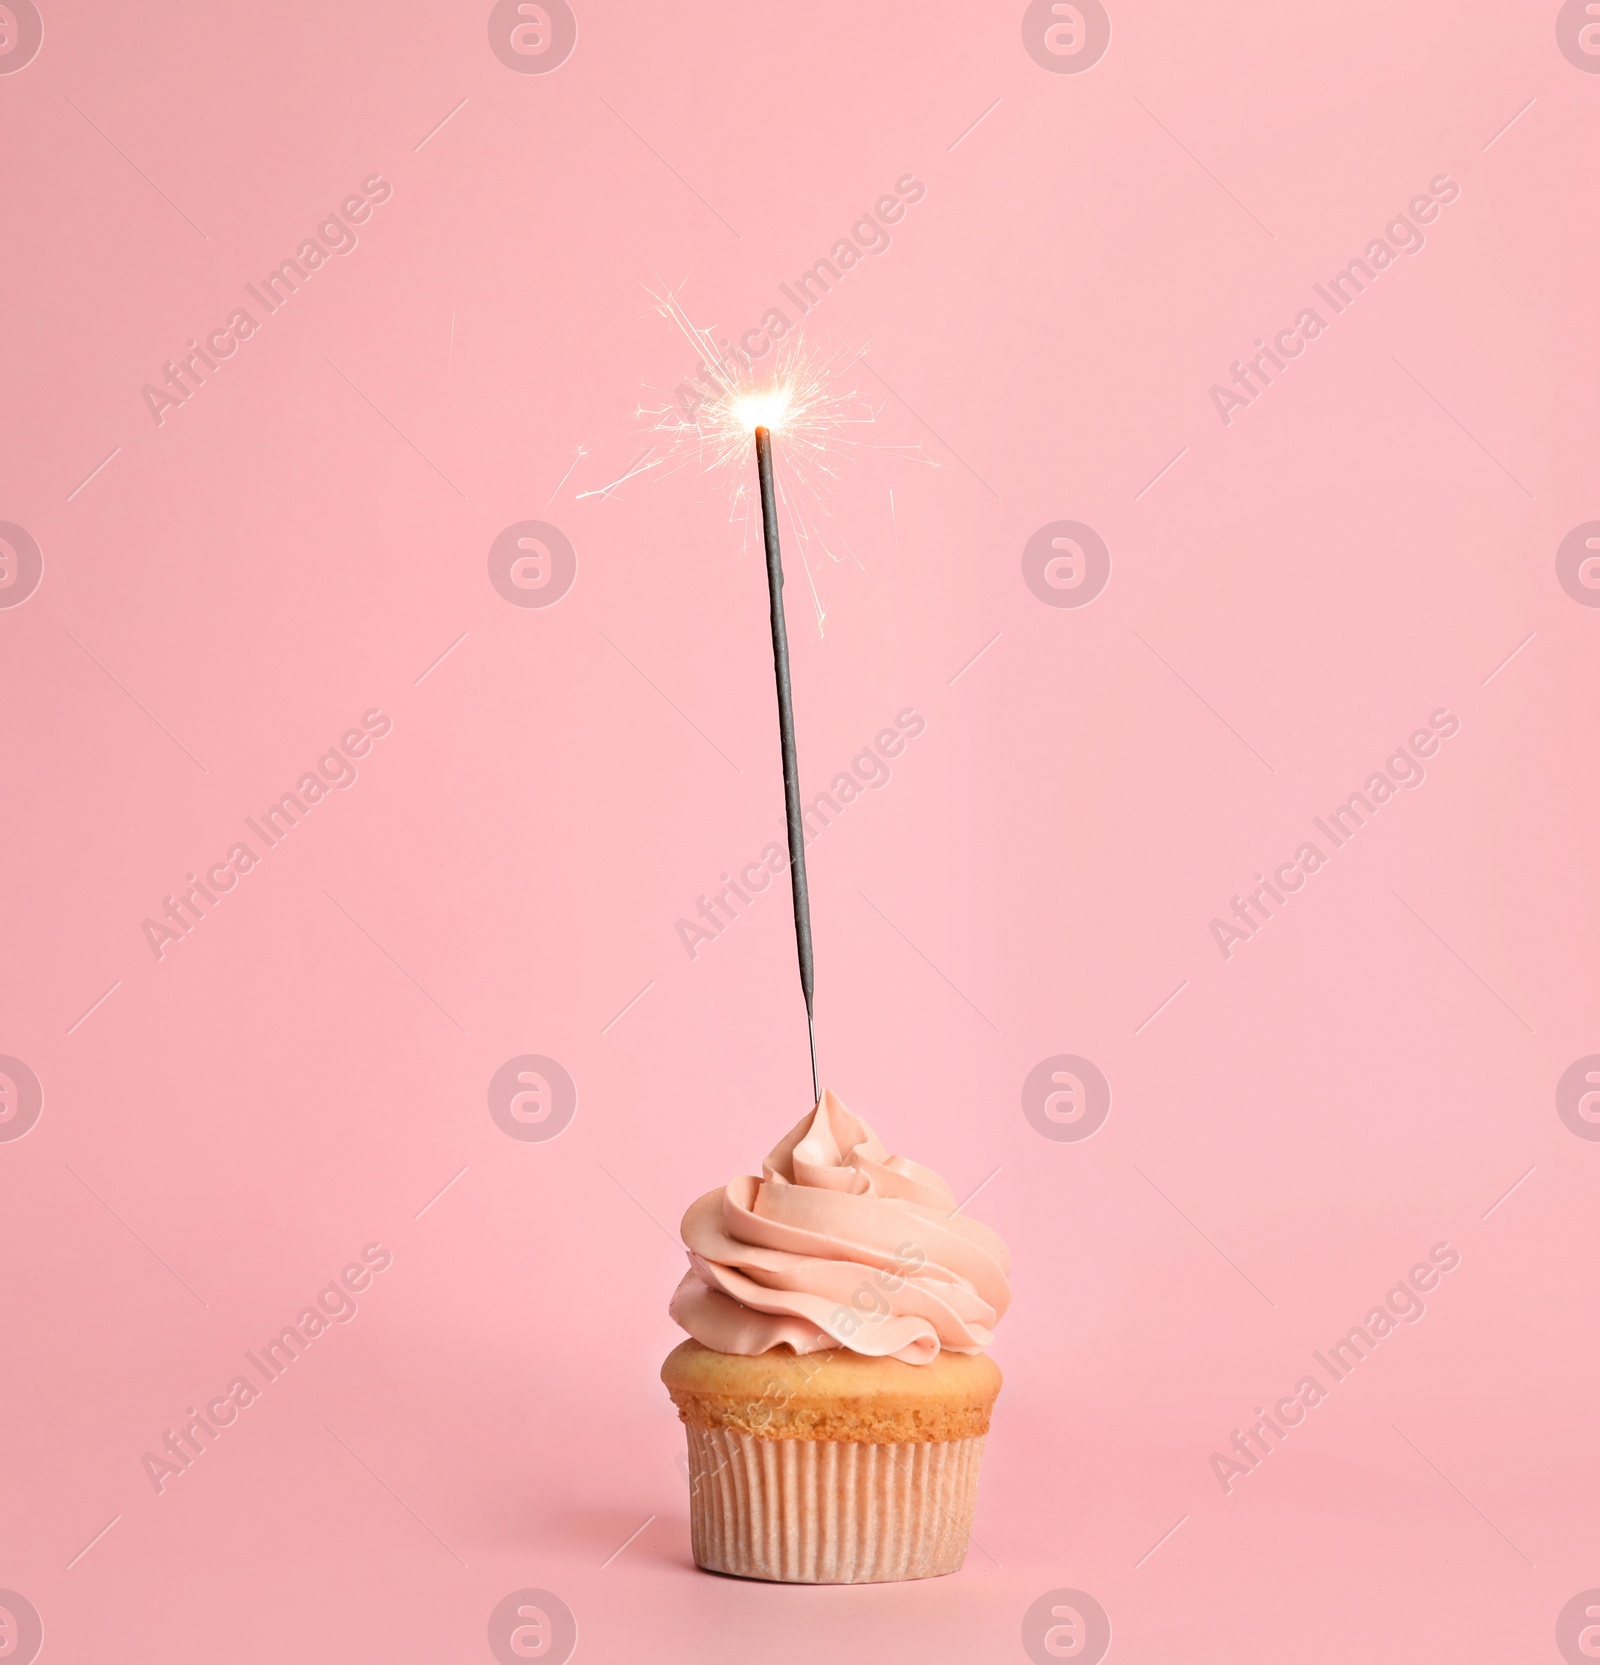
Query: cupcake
[[834, 1387]]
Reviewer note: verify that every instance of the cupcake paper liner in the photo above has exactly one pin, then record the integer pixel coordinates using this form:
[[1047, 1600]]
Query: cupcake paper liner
[[830, 1511]]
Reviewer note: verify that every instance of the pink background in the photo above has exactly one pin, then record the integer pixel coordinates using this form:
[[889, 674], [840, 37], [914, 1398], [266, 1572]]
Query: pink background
[[1365, 544]]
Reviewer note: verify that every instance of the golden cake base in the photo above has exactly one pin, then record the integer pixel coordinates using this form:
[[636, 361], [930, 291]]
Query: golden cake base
[[831, 1468]]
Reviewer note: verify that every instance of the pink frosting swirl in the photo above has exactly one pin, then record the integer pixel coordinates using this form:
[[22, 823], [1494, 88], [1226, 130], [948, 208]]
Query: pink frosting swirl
[[839, 1244]]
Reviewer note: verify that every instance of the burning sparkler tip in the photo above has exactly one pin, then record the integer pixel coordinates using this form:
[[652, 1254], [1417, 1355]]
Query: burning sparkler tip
[[762, 407]]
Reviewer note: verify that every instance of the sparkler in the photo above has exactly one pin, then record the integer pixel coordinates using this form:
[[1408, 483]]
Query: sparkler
[[804, 399], [719, 418], [772, 409]]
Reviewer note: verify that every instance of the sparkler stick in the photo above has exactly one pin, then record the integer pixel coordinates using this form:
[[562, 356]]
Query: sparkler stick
[[806, 398], [791, 766]]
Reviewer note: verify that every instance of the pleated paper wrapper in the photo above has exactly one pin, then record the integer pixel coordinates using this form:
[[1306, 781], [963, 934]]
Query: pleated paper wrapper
[[830, 1511]]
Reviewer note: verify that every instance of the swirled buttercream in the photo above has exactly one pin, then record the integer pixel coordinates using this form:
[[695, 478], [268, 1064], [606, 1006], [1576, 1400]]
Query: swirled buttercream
[[839, 1244]]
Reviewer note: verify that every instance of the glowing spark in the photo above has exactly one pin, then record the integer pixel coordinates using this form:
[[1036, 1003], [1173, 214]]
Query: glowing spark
[[581, 452], [803, 398], [807, 399], [636, 467], [765, 409]]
